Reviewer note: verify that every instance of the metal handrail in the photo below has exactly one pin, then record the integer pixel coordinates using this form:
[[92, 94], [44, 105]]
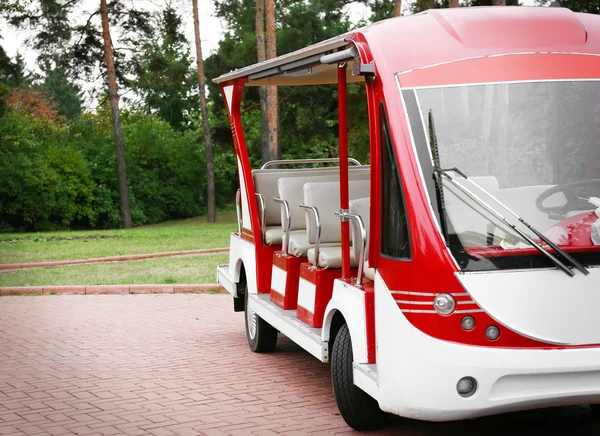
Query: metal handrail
[[263, 218], [315, 212], [345, 216], [288, 223], [307, 161], [238, 209]]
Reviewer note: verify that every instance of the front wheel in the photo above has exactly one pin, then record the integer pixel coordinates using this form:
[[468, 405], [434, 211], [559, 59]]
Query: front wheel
[[359, 410], [262, 337]]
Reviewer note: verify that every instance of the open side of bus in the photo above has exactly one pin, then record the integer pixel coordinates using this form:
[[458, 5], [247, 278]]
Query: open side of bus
[[362, 253]]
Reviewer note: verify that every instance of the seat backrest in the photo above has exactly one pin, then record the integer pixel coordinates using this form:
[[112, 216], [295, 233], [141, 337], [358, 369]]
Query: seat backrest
[[362, 207], [325, 196], [265, 183], [291, 189]]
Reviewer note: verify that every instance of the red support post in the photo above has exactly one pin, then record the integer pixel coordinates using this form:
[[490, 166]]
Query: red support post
[[343, 142]]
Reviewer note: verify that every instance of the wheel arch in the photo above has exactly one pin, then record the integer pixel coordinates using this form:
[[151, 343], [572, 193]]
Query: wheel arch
[[346, 313]]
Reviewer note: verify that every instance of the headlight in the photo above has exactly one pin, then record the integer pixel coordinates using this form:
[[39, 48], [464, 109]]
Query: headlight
[[444, 304]]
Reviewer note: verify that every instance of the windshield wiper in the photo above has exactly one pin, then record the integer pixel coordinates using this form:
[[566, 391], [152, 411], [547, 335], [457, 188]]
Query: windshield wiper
[[559, 251], [437, 171], [437, 178]]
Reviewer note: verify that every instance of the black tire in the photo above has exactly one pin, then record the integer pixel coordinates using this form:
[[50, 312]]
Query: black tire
[[595, 411], [359, 409], [262, 337]]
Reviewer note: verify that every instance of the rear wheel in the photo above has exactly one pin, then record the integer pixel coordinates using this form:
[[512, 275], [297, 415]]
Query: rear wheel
[[595, 411], [359, 410], [262, 337]]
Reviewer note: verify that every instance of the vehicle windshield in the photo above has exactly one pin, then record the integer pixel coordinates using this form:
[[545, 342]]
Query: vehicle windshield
[[535, 146]]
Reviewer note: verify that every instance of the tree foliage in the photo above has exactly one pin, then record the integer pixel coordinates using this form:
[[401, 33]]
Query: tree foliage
[[589, 6]]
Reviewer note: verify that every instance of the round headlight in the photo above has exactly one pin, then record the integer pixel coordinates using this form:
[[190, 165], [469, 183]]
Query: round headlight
[[444, 304], [466, 386], [467, 323], [492, 332]]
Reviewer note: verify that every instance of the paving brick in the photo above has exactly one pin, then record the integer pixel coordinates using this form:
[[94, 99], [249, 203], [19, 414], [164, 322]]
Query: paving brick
[[180, 364]]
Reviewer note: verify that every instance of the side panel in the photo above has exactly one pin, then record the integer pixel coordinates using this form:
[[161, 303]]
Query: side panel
[[350, 301], [242, 252]]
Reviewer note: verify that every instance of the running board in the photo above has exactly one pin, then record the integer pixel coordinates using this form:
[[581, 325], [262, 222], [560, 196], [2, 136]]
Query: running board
[[366, 378], [286, 322], [225, 280]]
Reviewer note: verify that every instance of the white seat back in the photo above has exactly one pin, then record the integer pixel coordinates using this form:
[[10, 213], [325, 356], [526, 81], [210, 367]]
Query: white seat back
[[265, 183], [291, 189], [325, 196]]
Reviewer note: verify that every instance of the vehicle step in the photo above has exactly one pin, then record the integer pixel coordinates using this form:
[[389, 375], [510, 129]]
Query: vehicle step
[[286, 322], [225, 280], [366, 378]]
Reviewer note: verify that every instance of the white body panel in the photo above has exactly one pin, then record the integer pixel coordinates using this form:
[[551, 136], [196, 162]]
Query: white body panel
[[240, 251], [417, 374], [306, 295], [351, 303], [547, 305], [278, 278]]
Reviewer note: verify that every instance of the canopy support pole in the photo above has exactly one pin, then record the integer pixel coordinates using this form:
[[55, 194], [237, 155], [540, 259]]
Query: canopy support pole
[[343, 151]]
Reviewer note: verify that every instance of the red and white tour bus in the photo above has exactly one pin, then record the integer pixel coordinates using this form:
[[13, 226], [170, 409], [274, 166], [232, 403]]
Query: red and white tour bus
[[455, 276]]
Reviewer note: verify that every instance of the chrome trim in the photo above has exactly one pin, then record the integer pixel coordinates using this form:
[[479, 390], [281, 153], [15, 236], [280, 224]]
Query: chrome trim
[[345, 216], [262, 214], [418, 311], [412, 302], [315, 212], [286, 227], [422, 294], [307, 161]]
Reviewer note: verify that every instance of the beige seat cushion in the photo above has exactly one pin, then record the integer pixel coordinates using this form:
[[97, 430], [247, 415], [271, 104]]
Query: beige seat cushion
[[369, 272], [330, 257], [273, 235], [299, 245]]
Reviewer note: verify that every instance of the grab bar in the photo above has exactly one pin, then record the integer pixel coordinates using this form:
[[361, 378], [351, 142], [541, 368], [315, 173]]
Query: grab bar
[[315, 212], [288, 223], [307, 161], [345, 216]]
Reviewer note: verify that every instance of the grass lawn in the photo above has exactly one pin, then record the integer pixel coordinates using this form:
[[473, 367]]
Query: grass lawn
[[166, 270], [188, 234]]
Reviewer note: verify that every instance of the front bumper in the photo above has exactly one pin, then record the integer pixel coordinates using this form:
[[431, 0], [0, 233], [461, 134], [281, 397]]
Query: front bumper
[[418, 374]]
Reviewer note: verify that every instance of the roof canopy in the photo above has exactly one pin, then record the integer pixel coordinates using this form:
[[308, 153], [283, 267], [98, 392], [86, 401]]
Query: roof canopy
[[302, 67]]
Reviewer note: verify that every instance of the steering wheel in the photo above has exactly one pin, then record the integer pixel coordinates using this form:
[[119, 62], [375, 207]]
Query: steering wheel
[[570, 191]]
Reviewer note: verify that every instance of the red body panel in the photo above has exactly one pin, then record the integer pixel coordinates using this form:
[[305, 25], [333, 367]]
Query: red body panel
[[457, 46], [291, 265], [323, 281]]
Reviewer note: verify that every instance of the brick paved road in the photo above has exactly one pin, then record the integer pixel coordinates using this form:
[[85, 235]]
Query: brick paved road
[[179, 364]]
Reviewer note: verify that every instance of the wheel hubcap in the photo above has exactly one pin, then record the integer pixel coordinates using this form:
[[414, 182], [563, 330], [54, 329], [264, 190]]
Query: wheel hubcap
[[251, 321]]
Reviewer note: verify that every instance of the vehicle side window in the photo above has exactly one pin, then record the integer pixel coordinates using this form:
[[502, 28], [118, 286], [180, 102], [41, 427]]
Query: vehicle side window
[[395, 241]]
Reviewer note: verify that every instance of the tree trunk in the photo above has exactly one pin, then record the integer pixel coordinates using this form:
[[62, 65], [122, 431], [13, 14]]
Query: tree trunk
[[272, 104], [499, 2], [210, 166], [453, 3], [397, 8], [261, 55], [116, 120]]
